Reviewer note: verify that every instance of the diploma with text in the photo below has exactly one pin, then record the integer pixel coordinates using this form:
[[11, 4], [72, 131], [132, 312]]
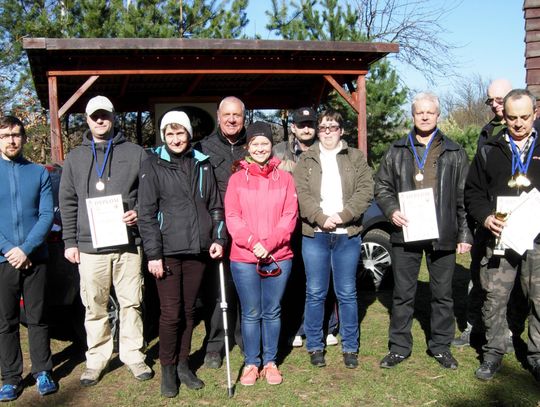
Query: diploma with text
[[418, 206], [106, 225]]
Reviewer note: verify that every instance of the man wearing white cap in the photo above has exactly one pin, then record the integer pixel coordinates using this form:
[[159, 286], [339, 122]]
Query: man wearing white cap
[[105, 164]]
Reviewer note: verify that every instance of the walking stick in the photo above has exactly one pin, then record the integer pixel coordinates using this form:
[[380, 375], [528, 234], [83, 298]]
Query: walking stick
[[223, 306]]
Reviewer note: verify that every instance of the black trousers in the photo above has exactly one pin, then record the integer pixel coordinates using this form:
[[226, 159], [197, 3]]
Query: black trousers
[[406, 265], [212, 313], [31, 285], [178, 290]]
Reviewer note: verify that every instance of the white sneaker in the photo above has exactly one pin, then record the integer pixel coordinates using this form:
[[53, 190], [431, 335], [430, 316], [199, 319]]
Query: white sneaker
[[297, 342], [331, 340]]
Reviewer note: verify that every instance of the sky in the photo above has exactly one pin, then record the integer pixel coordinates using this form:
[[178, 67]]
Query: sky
[[489, 35]]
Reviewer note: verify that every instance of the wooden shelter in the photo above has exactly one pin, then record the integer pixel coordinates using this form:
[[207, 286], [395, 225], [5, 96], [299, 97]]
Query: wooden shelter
[[138, 73]]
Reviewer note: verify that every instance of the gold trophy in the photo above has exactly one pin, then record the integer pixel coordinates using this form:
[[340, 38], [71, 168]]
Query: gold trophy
[[499, 248]]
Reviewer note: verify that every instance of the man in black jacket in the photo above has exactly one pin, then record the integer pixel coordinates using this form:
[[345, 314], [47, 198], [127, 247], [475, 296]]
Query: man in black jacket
[[506, 166], [425, 158], [517, 312], [225, 146]]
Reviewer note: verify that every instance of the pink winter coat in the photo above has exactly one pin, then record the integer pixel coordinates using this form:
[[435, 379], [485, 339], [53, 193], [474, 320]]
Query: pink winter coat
[[261, 206]]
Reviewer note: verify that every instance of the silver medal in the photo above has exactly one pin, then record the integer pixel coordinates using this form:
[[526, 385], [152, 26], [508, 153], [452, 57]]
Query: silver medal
[[419, 177], [100, 186]]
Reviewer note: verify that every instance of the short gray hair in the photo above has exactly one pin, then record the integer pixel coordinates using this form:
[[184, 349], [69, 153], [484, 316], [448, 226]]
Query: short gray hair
[[426, 96], [518, 94]]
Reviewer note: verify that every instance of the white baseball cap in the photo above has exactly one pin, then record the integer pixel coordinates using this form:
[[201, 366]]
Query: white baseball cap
[[178, 117], [99, 103]]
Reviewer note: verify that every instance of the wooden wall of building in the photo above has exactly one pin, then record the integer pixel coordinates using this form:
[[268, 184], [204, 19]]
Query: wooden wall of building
[[531, 10]]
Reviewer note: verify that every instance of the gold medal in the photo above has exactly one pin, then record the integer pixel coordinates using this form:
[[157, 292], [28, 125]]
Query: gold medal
[[522, 181], [100, 186], [512, 183], [419, 177]]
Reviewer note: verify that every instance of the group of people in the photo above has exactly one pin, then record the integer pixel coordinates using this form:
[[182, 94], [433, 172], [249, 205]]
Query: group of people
[[235, 198]]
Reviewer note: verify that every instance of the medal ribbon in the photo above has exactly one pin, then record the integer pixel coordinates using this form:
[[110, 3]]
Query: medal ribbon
[[102, 169], [422, 163], [517, 164]]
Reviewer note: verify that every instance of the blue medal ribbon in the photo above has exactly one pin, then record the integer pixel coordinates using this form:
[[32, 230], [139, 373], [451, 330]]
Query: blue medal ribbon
[[517, 164], [422, 163], [102, 169]]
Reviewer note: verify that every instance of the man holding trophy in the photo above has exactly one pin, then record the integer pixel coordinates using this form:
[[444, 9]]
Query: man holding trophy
[[505, 171]]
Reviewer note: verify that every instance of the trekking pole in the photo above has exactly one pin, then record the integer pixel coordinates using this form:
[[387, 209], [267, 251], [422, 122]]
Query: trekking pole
[[223, 306]]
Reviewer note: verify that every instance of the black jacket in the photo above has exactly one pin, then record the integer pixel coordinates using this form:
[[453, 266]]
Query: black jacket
[[222, 155], [396, 174], [491, 129], [489, 175], [180, 208]]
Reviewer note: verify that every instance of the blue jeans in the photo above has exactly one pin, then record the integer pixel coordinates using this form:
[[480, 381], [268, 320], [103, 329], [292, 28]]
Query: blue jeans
[[260, 302], [322, 254]]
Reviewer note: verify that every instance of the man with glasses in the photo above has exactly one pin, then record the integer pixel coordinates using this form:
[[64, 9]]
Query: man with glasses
[[27, 214], [105, 164], [424, 159], [303, 130], [496, 92]]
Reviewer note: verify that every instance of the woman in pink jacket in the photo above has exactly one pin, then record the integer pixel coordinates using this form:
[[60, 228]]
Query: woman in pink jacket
[[260, 210]]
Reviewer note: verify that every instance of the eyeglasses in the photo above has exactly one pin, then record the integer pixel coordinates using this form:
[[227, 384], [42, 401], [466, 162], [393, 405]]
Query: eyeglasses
[[324, 129], [268, 267], [10, 135], [489, 101]]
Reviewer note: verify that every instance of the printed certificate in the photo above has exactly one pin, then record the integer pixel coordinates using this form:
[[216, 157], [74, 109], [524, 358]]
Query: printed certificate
[[106, 225], [418, 206]]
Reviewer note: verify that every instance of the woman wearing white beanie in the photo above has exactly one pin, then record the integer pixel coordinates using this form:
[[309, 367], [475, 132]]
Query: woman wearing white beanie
[[181, 223]]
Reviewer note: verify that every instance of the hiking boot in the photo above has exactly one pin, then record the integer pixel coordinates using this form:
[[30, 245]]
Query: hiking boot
[[317, 358], [487, 369], [90, 377], [535, 370], [391, 360], [464, 339], [331, 340], [141, 371], [187, 377], [297, 342], [250, 374], [213, 360], [272, 374], [446, 360], [350, 359], [45, 384], [169, 387], [10, 392]]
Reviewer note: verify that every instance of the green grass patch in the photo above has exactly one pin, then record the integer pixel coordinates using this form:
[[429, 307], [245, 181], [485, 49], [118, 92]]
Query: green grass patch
[[419, 381]]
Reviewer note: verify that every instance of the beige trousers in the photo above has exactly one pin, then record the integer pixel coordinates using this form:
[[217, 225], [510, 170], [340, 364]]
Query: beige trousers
[[123, 271]]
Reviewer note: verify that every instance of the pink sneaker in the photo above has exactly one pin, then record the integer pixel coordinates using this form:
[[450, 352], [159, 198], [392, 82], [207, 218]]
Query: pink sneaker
[[249, 375], [272, 374]]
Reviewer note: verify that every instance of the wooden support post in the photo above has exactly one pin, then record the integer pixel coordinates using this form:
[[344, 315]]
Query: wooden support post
[[57, 149], [361, 101]]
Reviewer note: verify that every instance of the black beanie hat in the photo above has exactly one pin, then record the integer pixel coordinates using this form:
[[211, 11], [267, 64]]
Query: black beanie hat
[[259, 129]]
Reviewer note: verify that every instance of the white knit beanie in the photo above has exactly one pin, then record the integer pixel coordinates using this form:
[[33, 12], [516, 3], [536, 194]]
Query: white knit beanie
[[178, 117]]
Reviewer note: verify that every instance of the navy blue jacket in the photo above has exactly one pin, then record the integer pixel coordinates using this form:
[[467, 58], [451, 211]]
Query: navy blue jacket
[[27, 208]]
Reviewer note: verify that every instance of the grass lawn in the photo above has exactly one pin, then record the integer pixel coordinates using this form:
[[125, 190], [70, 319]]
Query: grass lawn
[[419, 381]]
